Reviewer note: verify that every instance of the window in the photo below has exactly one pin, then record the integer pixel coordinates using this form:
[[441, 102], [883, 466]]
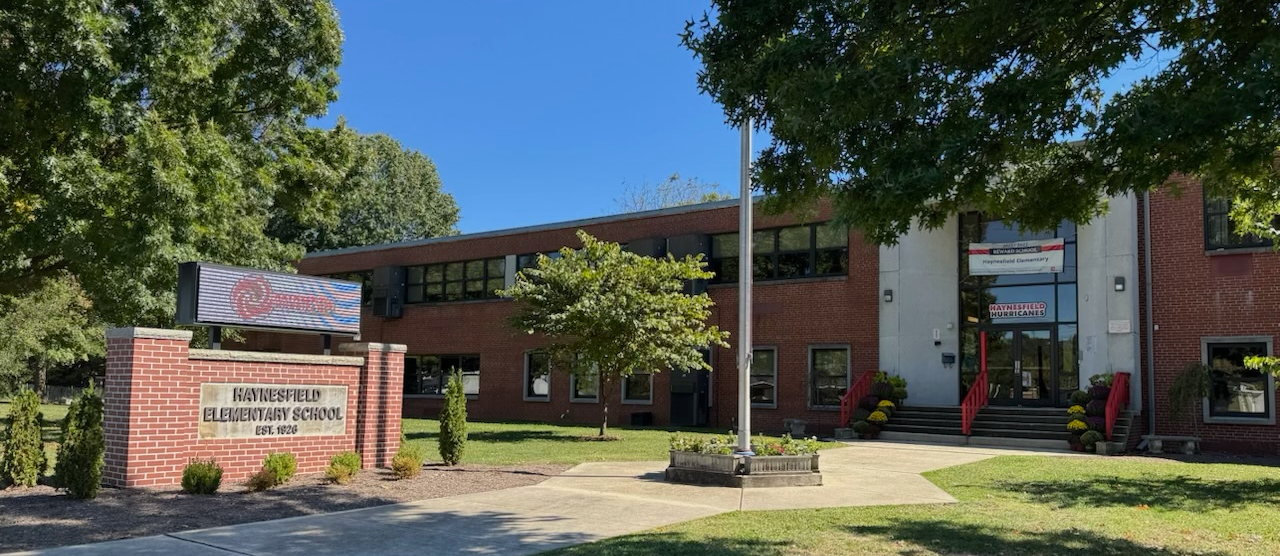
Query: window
[[537, 376], [638, 388], [584, 388], [1220, 232], [530, 260], [365, 277], [828, 375], [429, 374], [764, 377], [1236, 391], [456, 281], [781, 253]]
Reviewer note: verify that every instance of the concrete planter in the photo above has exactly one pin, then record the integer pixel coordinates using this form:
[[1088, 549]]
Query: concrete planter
[[743, 471], [845, 434]]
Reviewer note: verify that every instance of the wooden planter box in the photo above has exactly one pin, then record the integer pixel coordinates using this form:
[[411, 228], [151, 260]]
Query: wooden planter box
[[743, 471]]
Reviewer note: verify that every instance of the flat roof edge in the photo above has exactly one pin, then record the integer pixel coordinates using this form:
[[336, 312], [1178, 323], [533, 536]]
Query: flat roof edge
[[668, 211]]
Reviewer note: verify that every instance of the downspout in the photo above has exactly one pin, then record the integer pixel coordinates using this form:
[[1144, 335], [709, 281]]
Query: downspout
[[1150, 331]]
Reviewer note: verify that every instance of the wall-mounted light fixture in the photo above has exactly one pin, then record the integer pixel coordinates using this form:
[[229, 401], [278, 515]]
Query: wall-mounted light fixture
[[888, 296], [1119, 283]]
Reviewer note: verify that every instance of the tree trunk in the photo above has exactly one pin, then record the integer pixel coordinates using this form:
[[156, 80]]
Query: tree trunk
[[42, 378], [604, 423], [606, 392]]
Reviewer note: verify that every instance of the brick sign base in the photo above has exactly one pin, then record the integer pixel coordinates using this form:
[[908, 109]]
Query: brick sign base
[[255, 403]]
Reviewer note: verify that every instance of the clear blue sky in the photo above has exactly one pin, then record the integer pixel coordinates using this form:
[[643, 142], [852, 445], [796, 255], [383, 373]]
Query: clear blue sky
[[538, 111], [535, 112]]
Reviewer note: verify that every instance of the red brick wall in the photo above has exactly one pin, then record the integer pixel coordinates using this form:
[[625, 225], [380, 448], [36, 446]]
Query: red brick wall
[[790, 315], [152, 409], [1197, 295]]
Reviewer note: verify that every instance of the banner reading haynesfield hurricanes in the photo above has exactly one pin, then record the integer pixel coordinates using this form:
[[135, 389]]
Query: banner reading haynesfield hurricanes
[[1018, 257]]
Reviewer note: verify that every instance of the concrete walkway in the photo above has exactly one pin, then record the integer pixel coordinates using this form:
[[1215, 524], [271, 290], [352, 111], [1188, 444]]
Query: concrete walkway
[[589, 502]]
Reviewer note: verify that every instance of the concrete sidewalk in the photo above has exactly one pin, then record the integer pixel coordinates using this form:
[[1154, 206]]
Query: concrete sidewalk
[[589, 502]]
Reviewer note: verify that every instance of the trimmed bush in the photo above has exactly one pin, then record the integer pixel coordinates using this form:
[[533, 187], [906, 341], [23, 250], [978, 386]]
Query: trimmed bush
[[1089, 439], [80, 455], [453, 421], [407, 462], [900, 393], [282, 466], [201, 477], [1080, 397], [262, 480], [22, 459], [1096, 423], [1096, 408], [343, 467]]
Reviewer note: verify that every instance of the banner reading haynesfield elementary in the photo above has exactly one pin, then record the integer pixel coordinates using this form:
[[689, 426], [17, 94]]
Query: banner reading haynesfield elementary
[[1019, 257]]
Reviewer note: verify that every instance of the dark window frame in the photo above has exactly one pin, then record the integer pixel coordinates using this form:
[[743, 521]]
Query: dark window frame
[[422, 296], [773, 377], [1211, 220], [1263, 345], [441, 372], [774, 256], [528, 366], [812, 386], [626, 390]]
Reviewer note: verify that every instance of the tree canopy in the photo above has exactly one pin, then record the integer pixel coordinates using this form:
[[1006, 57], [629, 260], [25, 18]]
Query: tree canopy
[[608, 311], [49, 326], [906, 112]]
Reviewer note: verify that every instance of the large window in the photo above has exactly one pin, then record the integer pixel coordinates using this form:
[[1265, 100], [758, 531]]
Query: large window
[[457, 281], [429, 374], [1237, 392], [537, 376], [828, 375], [764, 377], [781, 253], [530, 260], [638, 388], [584, 387], [365, 277], [1220, 232]]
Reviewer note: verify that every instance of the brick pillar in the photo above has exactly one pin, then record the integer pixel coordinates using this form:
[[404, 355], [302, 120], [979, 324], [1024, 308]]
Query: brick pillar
[[141, 363], [379, 401]]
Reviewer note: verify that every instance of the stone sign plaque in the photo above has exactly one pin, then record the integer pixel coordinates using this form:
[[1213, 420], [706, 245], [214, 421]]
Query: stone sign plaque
[[270, 410]]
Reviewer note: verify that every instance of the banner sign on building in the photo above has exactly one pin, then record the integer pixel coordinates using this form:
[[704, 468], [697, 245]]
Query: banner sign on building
[[1017, 310], [216, 295], [260, 410], [1019, 257]]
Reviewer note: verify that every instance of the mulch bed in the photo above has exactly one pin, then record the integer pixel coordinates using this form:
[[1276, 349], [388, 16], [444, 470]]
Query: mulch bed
[[42, 517]]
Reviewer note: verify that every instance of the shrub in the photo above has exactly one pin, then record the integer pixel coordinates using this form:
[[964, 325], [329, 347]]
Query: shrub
[[1099, 392], [343, 467], [899, 393], [881, 390], [786, 446], [1103, 379], [861, 427], [878, 418], [1096, 423], [201, 477], [22, 459], [281, 465], [861, 414], [79, 467], [895, 381], [260, 481], [1096, 408], [1090, 438], [1080, 397], [869, 403], [407, 463], [886, 410], [453, 422], [1077, 426]]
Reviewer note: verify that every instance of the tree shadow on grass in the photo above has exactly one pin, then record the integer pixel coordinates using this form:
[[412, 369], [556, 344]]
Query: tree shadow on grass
[[676, 544], [950, 538], [502, 436], [1174, 493]]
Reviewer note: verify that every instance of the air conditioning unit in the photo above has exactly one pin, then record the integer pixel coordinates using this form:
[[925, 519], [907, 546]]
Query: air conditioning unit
[[388, 292]]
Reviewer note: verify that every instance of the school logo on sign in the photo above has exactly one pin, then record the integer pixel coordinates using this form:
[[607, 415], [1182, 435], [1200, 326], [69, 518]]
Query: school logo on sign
[[218, 295]]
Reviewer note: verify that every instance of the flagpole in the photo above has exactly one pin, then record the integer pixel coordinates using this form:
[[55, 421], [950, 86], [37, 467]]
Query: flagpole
[[745, 229]]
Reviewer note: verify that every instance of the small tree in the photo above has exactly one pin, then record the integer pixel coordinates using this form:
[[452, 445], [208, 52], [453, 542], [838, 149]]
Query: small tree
[[79, 467], [453, 421], [616, 313], [22, 459]]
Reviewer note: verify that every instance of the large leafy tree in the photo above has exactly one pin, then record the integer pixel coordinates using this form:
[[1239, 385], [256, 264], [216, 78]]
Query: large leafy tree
[[135, 135], [906, 112], [609, 313], [49, 326], [389, 194]]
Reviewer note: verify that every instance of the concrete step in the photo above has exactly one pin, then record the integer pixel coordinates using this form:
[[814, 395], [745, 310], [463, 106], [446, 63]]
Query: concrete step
[[1060, 420], [1015, 433], [897, 427], [1023, 411], [923, 438], [923, 421], [960, 440], [1019, 425]]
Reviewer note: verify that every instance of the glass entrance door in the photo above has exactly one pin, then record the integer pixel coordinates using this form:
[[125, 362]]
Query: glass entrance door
[[1021, 369]]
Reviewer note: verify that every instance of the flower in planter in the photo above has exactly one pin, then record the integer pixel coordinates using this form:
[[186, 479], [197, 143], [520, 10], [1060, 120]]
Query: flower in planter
[[1091, 438], [1075, 410], [881, 390], [1099, 392], [878, 418], [1096, 423], [884, 404], [869, 403], [1077, 425], [1096, 408], [861, 414], [862, 427], [1080, 397]]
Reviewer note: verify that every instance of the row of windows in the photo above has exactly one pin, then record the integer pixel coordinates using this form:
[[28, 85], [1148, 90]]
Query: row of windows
[[637, 388], [478, 279], [781, 253], [429, 374]]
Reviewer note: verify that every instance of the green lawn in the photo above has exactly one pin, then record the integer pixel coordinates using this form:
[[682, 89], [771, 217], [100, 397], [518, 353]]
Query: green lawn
[[1012, 506], [515, 443], [50, 431]]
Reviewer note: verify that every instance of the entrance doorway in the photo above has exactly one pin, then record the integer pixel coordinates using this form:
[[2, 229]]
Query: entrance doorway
[[1021, 367]]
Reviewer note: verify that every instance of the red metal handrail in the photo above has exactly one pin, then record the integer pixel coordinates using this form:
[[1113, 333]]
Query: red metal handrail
[[977, 397], [859, 389], [1118, 398]]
